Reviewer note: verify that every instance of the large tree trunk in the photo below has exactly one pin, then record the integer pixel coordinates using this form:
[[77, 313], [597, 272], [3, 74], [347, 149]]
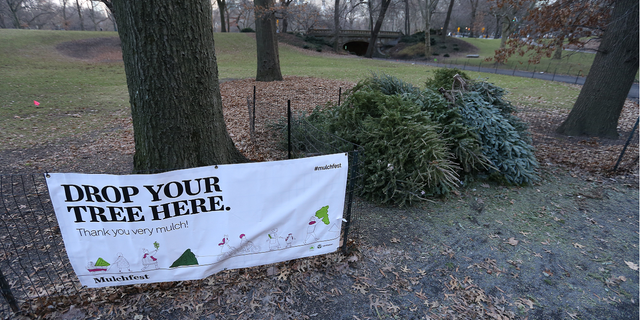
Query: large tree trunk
[[376, 29], [222, 6], [474, 9], [407, 18], [602, 97], [427, 30], [172, 76], [446, 21], [266, 42], [336, 26]]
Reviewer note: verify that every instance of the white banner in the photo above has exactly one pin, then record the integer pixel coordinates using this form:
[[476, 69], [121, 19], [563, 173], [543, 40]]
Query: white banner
[[189, 224]]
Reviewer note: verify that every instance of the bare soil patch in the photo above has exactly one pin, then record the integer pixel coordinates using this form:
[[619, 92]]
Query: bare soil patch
[[95, 49]]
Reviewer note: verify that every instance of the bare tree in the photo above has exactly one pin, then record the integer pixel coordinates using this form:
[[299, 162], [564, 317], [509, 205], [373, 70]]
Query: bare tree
[[474, 8], [376, 29], [79, 9], [222, 8], [446, 21], [95, 15], [14, 7]]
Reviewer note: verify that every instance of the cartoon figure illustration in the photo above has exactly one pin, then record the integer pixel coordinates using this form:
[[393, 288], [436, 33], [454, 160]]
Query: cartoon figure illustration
[[121, 263], [274, 244], [311, 230], [247, 246], [148, 260], [99, 266], [321, 215], [225, 244], [289, 240]]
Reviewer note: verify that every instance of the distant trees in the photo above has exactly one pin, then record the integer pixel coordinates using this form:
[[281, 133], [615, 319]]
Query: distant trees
[[234, 15], [50, 14]]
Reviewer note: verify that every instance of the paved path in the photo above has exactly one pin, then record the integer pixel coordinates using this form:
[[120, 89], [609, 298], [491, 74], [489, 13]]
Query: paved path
[[633, 92]]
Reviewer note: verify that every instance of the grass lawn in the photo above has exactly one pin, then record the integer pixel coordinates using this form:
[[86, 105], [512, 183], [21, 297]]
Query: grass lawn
[[572, 63], [78, 96]]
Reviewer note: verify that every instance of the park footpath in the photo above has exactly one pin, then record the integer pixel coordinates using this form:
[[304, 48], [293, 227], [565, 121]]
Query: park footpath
[[633, 92]]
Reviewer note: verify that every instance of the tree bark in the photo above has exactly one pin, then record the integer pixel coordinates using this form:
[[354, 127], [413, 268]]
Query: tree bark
[[407, 18], [222, 6], [172, 77], [597, 109], [506, 28], [474, 9], [498, 33], [427, 31], [376, 29], [336, 26], [14, 7], [557, 55], [79, 8], [266, 42], [446, 21]]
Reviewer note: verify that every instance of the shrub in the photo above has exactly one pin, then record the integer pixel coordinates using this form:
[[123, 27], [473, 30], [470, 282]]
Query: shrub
[[317, 41], [247, 30], [435, 54], [446, 55]]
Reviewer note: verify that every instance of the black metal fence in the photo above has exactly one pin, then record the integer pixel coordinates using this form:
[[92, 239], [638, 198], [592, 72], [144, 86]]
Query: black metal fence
[[526, 71], [36, 275]]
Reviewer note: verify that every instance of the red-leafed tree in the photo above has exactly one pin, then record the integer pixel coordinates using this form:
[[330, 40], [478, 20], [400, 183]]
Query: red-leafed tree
[[551, 25]]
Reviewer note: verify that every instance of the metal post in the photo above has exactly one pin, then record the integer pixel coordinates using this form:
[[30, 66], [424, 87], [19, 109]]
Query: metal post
[[339, 95], [465, 66], [514, 70], [253, 114], [289, 127], [577, 76], [635, 126], [354, 175], [554, 74], [479, 66], [534, 71], [7, 294]]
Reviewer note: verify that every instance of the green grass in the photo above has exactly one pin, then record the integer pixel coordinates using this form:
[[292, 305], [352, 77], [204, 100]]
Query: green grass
[[572, 63], [77, 96]]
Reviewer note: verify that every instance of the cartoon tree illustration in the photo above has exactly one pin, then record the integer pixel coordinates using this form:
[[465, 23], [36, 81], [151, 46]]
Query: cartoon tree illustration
[[323, 214]]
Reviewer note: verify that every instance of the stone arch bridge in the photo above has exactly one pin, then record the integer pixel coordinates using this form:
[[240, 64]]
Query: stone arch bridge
[[357, 41]]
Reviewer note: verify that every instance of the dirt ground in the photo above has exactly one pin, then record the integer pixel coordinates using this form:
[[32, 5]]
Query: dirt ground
[[564, 248]]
